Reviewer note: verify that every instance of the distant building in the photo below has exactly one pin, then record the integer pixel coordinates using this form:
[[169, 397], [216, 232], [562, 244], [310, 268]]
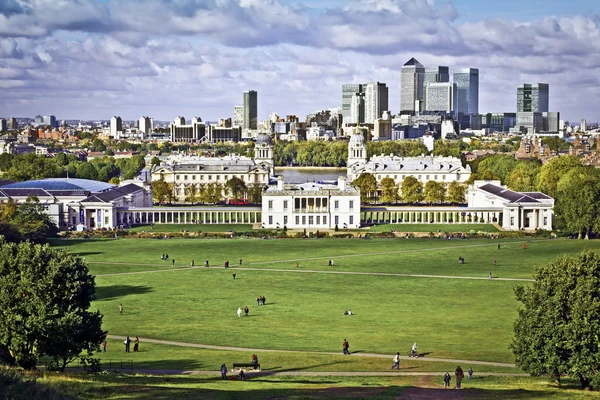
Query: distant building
[[238, 116], [434, 75], [357, 109], [551, 121], [348, 92], [533, 97], [376, 101], [12, 123], [116, 127], [251, 110], [529, 122], [439, 97], [531, 147], [146, 126], [50, 120], [181, 132], [3, 125], [217, 133], [466, 91], [412, 77]]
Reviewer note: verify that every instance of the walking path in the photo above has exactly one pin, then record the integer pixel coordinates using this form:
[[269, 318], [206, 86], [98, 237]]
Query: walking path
[[249, 350]]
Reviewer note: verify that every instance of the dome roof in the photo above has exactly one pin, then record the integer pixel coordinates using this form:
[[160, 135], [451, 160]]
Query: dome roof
[[357, 139], [62, 184], [263, 138]]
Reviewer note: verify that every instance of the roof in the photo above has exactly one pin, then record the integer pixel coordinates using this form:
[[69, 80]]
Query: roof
[[512, 196], [5, 182], [113, 194], [62, 184], [413, 62], [395, 164], [24, 192]]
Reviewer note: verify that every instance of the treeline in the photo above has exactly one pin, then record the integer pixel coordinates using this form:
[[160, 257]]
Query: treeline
[[26, 222], [31, 166]]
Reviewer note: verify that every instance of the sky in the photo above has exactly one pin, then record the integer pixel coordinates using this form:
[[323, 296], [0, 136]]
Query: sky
[[92, 59]]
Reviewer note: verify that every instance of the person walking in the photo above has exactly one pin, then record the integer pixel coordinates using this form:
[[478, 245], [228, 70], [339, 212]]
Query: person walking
[[104, 346], [240, 261], [254, 361], [233, 275], [121, 309], [239, 312], [346, 346], [192, 263], [246, 310], [494, 263], [470, 373], [127, 344], [297, 265], [224, 372], [206, 264], [459, 376], [490, 275], [136, 344], [396, 361], [173, 262], [446, 380]]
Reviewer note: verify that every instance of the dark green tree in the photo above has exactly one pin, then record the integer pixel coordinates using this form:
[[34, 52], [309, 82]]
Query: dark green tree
[[553, 171], [161, 191], [45, 295], [255, 192], [412, 190], [32, 222], [435, 192], [236, 188], [556, 330], [155, 161], [578, 201], [367, 183], [456, 193]]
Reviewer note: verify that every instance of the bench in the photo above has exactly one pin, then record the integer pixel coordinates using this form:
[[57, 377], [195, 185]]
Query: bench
[[245, 366]]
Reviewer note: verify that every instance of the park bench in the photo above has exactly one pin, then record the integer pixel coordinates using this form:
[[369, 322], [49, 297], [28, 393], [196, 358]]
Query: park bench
[[246, 366]]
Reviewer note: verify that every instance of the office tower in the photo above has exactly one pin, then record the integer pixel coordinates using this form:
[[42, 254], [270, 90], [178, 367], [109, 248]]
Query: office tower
[[12, 123], [116, 127], [251, 110], [3, 125], [49, 120], [348, 91], [439, 97], [583, 125], [551, 121], [376, 101], [466, 91], [434, 75], [411, 85], [357, 109], [533, 97], [238, 116], [145, 125]]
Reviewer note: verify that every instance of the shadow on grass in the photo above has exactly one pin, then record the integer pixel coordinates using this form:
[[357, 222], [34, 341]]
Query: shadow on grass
[[88, 253], [115, 291]]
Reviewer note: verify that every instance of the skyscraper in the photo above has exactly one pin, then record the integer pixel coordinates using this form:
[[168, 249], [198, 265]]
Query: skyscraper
[[533, 97], [357, 109], [238, 116], [145, 126], [348, 91], [251, 110], [116, 127], [434, 75], [466, 91], [412, 77], [439, 96], [376, 101]]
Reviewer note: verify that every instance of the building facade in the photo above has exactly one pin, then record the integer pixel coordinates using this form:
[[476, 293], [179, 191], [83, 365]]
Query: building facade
[[348, 92], [434, 75], [146, 126], [250, 110], [533, 97], [181, 132], [238, 116], [116, 127], [376, 101], [439, 97], [412, 77], [466, 91]]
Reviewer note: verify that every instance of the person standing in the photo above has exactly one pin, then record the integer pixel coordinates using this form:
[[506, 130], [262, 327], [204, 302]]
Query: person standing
[[136, 344], [239, 312], [223, 372], [446, 380], [470, 373], [246, 310], [346, 346], [121, 309], [396, 361], [459, 376], [192, 263], [254, 361], [233, 275], [490, 275], [206, 264], [104, 346], [173, 262], [240, 261], [127, 344], [297, 265]]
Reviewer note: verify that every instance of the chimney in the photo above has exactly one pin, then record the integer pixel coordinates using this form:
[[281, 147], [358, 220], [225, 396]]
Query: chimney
[[342, 183], [280, 182]]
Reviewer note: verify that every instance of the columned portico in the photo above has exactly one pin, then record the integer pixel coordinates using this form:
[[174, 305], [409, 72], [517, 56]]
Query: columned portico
[[188, 215]]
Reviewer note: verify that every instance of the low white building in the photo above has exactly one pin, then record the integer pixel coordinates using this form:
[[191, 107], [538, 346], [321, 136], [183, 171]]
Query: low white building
[[311, 206], [528, 211]]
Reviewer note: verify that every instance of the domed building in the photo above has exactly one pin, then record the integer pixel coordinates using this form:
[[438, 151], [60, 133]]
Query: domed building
[[263, 151]]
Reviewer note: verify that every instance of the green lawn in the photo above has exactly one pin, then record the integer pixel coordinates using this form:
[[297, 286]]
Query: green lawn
[[168, 228], [465, 319], [435, 228]]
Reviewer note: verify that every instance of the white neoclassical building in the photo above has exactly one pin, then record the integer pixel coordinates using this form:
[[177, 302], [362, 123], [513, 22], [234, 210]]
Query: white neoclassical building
[[424, 168], [311, 205]]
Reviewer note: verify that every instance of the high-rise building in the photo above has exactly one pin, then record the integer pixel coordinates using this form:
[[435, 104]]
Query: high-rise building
[[12, 123], [466, 91], [49, 120], [251, 110], [116, 127], [3, 125], [357, 109], [376, 101], [434, 75], [348, 91], [551, 121], [145, 126], [180, 132], [412, 77], [238, 116], [439, 96], [533, 97]]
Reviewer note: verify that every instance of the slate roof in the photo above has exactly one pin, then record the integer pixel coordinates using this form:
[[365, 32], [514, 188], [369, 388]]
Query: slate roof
[[112, 194], [5, 182], [17, 192], [413, 62], [62, 184], [410, 164], [512, 196]]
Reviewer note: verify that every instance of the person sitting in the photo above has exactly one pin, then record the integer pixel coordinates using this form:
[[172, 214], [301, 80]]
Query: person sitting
[[349, 312]]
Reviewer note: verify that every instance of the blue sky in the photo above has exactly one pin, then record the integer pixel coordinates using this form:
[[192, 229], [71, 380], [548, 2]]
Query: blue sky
[[98, 58]]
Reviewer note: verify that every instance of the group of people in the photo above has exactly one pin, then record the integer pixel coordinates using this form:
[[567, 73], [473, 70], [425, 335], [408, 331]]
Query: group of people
[[261, 300], [459, 374], [331, 264], [348, 312], [246, 311], [166, 257], [461, 260], [127, 343]]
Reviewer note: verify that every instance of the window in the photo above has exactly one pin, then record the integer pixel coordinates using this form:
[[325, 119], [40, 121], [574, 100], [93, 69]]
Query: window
[[545, 220], [336, 204], [285, 220], [285, 204], [304, 220], [318, 220], [297, 220], [351, 219], [270, 220], [435, 177], [351, 204], [185, 178], [218, 177], [177, 177], [337, 219], [311, 220], [193, 177], [324, 219], [443, 177], [201, 177], [210, 177], [270, 204], [512, 220]]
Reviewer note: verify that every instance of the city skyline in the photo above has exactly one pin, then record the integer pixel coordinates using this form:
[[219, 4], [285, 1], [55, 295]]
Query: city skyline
[[95, 59]]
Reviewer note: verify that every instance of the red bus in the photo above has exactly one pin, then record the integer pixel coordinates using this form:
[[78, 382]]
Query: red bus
[[239, 202]]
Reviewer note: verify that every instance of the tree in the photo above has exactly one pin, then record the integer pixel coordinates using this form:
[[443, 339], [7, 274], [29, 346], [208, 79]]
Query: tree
[[236, 188], [45, 295], [367, 183], [389, 190], [556, 330], [500, 165], [190, 193], [255, 192], [524, 176], [553, 170], [32, 222], [435, 192], [448, 148], [412, 190], [456, 193], [213, 193], [155, 162], [109, 152], [6, 161], [161, 190], [578, 201]]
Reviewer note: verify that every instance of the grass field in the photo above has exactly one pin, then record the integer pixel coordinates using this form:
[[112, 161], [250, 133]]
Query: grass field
[[450, 228], [469, 318]]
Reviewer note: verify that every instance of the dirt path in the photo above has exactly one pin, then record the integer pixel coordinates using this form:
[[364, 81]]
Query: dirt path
[[249, 350]]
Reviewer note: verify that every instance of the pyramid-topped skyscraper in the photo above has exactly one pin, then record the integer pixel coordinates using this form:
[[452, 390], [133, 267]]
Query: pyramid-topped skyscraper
[[411, 85]]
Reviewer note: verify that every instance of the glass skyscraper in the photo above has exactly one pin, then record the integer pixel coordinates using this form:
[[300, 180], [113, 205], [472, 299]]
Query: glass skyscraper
[[251, 110], [466, 91], [412, 77], [533, 97]]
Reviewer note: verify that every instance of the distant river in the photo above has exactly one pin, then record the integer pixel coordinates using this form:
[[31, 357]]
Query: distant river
[[302, 175]]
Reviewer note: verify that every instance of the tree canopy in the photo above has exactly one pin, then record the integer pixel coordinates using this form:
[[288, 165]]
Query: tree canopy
[[435, 192], [553, 170], [556, 330], [456, 193], [412, 190], [27, 221], [389, 191], [45, 295], [236, 188], [367, 183]]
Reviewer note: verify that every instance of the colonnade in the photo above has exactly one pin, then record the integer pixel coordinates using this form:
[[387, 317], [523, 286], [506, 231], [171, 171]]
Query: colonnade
[[174, 216], [430, 216]]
